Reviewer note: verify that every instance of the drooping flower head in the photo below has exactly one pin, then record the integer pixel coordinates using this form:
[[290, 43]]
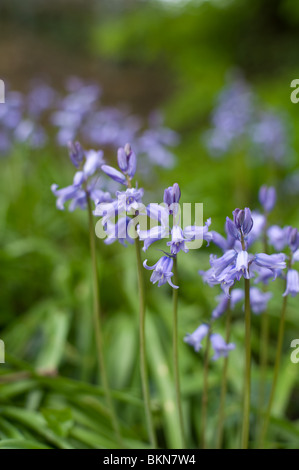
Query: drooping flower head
[[236, 262], [292, 287], [267, 197], [162, 271], [221, 348], [127, 161], [167, 217], [197, 336], [117, 214], [85, 182]]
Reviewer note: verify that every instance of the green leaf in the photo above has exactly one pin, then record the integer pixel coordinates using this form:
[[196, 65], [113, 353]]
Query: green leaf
[[59, 420], [21, 444]]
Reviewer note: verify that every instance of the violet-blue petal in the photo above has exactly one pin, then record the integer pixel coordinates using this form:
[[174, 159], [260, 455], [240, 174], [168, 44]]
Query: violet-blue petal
[[267, 197], [194, 339], [114, 174], [292, 287], [221, 348]]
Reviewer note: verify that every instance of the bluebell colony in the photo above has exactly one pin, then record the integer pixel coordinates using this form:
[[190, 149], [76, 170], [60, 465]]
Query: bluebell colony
[[240, 271]]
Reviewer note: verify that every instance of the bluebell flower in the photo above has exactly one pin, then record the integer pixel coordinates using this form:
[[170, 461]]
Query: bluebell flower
[[270, 137], [220, 264], [221, 348], [293, 239], [178, 241], [235, 297], [162, 271], [197, 336], [295, 256], [223, 243], [259, 300], [172, 194], [278, 237], [76, 153], [130, 201], [239, 119], [273, 262], [236, 262], [115, 213], [259, 223], [267, 197], [196, 232], [232, 116], [118, 231], [127, 160], [233, 235], [234, 265], [153, 235], [161, 213], [292, 287], [84, 182], [264, 275], [114, 174]]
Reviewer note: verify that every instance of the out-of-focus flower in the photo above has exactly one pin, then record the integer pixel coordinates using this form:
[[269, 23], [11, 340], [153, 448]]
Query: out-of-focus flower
[[84, 182], [278, 237], [267, 197], [127, 160], [292, 287], [221, 348], [239, 120], [223, 302], [293, 239], [259, 300], [197, 336]]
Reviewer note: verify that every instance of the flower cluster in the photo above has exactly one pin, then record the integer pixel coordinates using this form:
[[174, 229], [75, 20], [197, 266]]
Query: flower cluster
[[77, 114], [115, 214], [236, 262], [221, 348], [179, 238], [86, 180], [238, 117]]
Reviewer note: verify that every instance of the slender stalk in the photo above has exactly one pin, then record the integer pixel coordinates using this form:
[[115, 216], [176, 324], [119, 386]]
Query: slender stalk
[[224, 381], [263, 363], [204, 401], [143, 364], [247, 382], [276, 370], [175, 352], [264, 344], [98, 327]]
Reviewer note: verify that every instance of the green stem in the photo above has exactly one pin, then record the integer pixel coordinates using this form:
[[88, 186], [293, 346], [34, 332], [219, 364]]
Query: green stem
[[224, 381], [264, 344], [204, 401], [175, 352], [247, 382], [143, 364], [276, 370], [98, 327], [263, 363]]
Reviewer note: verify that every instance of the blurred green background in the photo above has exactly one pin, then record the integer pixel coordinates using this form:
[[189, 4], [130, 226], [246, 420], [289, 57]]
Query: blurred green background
[[175, 56]]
